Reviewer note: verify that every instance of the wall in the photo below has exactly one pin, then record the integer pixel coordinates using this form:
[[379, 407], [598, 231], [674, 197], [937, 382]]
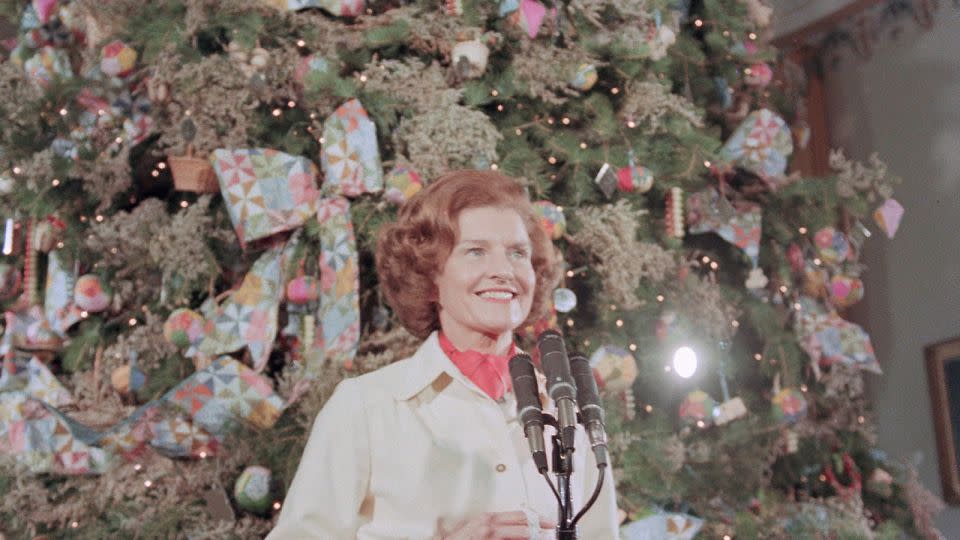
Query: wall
[[904, 102]]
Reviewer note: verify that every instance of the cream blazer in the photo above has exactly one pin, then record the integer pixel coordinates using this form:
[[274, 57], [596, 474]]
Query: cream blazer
[[396, 451]]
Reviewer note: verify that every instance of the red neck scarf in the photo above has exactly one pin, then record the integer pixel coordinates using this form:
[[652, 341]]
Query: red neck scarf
[[488, 371]]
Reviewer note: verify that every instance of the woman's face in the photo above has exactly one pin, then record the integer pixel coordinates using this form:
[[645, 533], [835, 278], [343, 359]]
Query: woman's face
[[486, 284]]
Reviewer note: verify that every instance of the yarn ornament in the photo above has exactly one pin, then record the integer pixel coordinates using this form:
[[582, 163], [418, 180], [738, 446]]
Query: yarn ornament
[[673, 220]]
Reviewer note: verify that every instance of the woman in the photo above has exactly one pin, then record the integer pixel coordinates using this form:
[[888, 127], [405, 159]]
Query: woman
[[430, 447]]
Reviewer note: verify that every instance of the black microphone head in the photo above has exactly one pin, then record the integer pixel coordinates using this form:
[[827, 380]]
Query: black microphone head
[[556, 366], [525, 389], [588, 397]]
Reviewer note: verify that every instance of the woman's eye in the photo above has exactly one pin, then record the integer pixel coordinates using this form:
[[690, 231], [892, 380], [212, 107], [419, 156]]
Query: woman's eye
[[475, 251], [520, 254]]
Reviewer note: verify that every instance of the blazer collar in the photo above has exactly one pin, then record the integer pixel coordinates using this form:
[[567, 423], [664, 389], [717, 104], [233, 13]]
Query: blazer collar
[[429, 363]]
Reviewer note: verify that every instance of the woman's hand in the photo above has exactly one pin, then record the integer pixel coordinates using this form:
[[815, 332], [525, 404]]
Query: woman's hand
[[501, 526]]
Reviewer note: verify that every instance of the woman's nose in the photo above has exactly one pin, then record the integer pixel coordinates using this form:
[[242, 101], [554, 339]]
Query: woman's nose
[[499, 265]]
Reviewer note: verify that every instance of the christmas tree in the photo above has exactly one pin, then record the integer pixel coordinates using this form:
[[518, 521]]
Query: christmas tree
[[191, 192]]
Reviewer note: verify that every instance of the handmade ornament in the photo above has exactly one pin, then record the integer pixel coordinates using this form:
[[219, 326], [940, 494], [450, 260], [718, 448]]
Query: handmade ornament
[[606, 180], [845, 291], [615, 368], [833, 247], [827, 338], [724, 92], [117, 59], [551, 219], [888, 216], [129, 378], [338, 319], [252, 489], [313, 73], [191, 173], [9, 281], [184, 328], [453, 7], [880, 483], [248, 317], [659, 39], [758, 75], [662, 526], [584, 77], [59, 305], [697, 409], [729, 410], [161, 426], [530, 16], [795, 258], [564, 300], [762, 145], [815, 281], [350, 156], [469, 58], [90, 294], [47, 233], [709, 211], [248, 62], [801, 135], [303, 290], [46, 65], [634, 178], [401, 184], [266, 191], [339, 8], [756, 280], [789, 406], [673, 217]]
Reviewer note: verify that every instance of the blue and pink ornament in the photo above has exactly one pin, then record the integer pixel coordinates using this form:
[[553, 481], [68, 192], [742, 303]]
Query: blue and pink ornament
[[90, 294], [789, 406], [634, 178], [697, 409], [184, 327], [551, 219], [117, 59], [402, 183], [252, 489]]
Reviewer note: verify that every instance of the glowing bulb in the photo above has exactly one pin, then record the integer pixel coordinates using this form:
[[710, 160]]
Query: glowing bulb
[[614, 90], [203, 455], [154, 173], [132, 322], [84, 314], [63, 112], [569, 322], [783, 289], [74, 524], [161, 165], [55, 182], [137, 467], [803, 388], [660, 298], [714, 265], [494, 167], [685, 362], [184, 204], [119, 140], [698, 23], [700, 424], [301, 43], [569, 273], [291, 104], [735, 324], [633, 347], [648, 408], [519, 131], [566, 121], [552, 160], [500, 107], [705, 259], [494, 93], [619, 323], [17, 170], [758, 357], [706, 163], [276, 505], [277, 112], [631, 124], [583, 146], [817, 261], [363, 78], [147, 483], [802, 230], [752, 35]]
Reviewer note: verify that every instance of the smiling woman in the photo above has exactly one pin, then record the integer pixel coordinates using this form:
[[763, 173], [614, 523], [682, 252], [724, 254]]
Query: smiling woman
[[430, 447]]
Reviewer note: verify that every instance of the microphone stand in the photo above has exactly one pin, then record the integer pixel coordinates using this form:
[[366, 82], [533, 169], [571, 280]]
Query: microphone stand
[[563, 469]]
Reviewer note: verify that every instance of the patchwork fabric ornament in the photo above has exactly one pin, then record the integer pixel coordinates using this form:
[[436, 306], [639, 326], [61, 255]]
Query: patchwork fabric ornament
[[161, 426], [252, 489], [761, 144], [266, 191], [697, 409], [729, 410], [338, 319], [28, 330], [888, 216], [248, 317], [43, 440], [117, 59], [758, 75], [615, 367], [708, 211], [662, 526], [789, 406], [224, 394], [833, 247], [128, 379], [9, 281], [564, 300], [470, 58], [44, 9], [339, 8], [33, 378], [59, 307], [184, 328], [402, 183], [551, 219], [673, 217], [634, 178], [827, 338], [845, 291], [584, 77], [90, 294], [48, 63], [606, 180], [350, 156]]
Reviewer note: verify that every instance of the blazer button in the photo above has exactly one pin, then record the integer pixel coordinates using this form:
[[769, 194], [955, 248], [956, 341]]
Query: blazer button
[[501, 467]]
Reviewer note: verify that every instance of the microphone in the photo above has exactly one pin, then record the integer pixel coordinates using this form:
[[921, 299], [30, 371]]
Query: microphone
[[560, 386], [528, 407], [591, 412]]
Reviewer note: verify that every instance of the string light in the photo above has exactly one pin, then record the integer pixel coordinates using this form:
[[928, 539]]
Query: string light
[[162, 165], [137, 467], [494, 92], [613, 307], [55, 182], [700, 424], [619, 323], [276, 112], [714, 265], [783, 289], [363, 78], [614, 90], [322, 140], [570, 322], [758, 357], [184, 204], [633, 347], [101, 112], [301, 43], [119, 140], [519, 131], [550, 120], [583, 146], [666, 368], [802, 230], [203, 455], [74, 524], [726, 33], [569, 273], [586, 343], [114, 250], [132, 322], [705, 259], [84, 314], [494, 166], [17, 170], [803, 388], [631, 124], [276, 505], [63, 112], [648, 408], [552, 160], [735, 323], [698, 23], [706, 164], [187, 112], [99, 218], [747, 71], [861, 419], [291, 104], [154, 173], [660, 298], [60, 245], [817, 261], [566, 121], [752, 35], [500, 107], [796, 306], [147, 483]]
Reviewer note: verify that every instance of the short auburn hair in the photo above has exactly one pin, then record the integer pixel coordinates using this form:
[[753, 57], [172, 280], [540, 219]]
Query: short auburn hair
[[411, 252]]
